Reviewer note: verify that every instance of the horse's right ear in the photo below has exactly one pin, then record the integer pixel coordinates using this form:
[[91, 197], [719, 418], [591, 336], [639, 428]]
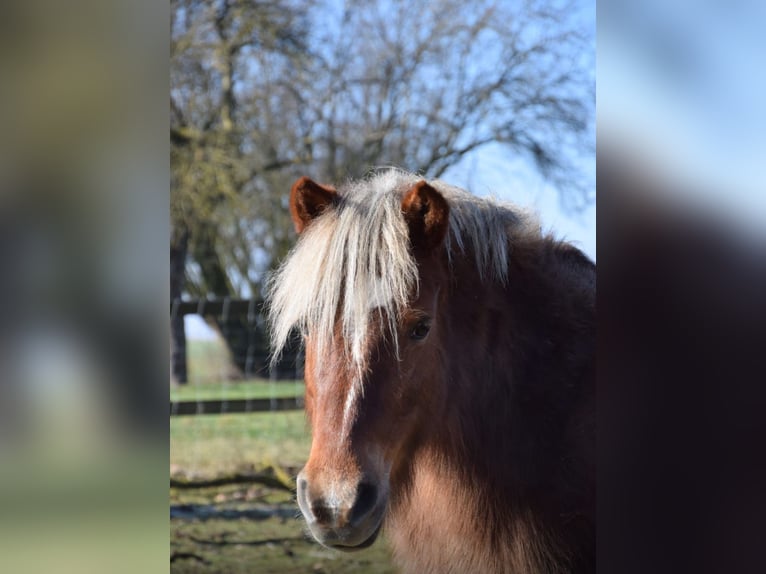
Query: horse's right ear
[[427, 215], [308, 200]]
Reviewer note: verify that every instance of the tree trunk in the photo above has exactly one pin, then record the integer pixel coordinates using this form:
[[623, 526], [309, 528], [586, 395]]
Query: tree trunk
[[216, 284], [248, 344], [179, 246]]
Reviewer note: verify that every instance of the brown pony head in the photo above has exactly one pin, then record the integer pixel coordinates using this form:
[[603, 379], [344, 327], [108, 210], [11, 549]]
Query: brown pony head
[[366, 406]]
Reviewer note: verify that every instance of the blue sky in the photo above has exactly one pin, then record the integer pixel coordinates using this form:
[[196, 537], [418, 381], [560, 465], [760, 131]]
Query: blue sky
[[491, 173]]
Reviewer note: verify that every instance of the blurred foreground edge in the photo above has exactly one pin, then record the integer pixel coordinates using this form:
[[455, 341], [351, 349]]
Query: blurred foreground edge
[[682, 367]]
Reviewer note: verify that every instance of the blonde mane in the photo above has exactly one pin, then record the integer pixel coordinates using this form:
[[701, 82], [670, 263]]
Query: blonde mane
[[356, 257]]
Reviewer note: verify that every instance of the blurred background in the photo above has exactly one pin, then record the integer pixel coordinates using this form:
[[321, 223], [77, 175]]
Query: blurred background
[[84, 213], [681, 286], [495, 97]]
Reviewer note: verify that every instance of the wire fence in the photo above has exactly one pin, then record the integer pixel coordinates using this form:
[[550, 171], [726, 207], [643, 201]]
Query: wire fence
[[232, 373]]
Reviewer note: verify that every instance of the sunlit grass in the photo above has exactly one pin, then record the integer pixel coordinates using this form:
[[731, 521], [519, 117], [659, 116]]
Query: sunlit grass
[[219, 444], [237, 390]]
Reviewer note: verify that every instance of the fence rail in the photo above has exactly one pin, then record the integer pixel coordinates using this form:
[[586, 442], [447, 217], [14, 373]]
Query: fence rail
[[217, 407], [225, 307]]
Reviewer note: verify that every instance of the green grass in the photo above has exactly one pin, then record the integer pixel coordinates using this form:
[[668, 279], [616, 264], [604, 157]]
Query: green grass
[[237, 390], [220, 444], [207, 360], [208, 367]]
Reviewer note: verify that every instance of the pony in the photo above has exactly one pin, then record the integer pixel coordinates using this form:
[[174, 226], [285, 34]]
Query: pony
[[450, 377]]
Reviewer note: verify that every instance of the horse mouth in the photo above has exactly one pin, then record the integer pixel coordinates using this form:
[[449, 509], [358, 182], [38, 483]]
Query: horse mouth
[[362, 545]]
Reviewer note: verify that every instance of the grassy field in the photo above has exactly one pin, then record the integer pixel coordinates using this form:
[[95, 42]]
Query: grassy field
[[257, 389], [248, 527], [208, 366], [207, 360], [210, 445]]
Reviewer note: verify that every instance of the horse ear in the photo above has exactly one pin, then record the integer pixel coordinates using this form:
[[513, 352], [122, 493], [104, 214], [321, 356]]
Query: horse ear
[[427, 215], [308, 200]]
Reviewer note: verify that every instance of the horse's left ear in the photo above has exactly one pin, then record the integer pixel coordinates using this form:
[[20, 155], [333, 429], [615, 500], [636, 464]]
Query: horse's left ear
[[427, 215]]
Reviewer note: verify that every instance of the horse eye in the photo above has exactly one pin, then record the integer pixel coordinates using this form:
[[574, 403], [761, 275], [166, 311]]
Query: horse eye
[[420, 331]]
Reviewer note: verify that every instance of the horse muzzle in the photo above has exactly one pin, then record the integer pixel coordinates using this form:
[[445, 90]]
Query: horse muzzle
[[344, 518]]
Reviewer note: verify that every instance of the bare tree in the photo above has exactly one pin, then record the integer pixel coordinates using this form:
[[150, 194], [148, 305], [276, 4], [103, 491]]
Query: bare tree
[[264, 92], [217, 159], [421, 84]]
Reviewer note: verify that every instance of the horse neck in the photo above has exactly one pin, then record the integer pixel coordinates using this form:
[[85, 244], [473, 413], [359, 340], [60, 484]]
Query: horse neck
[[518, 355]]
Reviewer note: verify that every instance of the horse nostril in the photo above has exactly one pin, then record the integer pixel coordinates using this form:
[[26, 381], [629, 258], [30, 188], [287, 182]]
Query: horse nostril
[[366, 497], [322, 514]]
